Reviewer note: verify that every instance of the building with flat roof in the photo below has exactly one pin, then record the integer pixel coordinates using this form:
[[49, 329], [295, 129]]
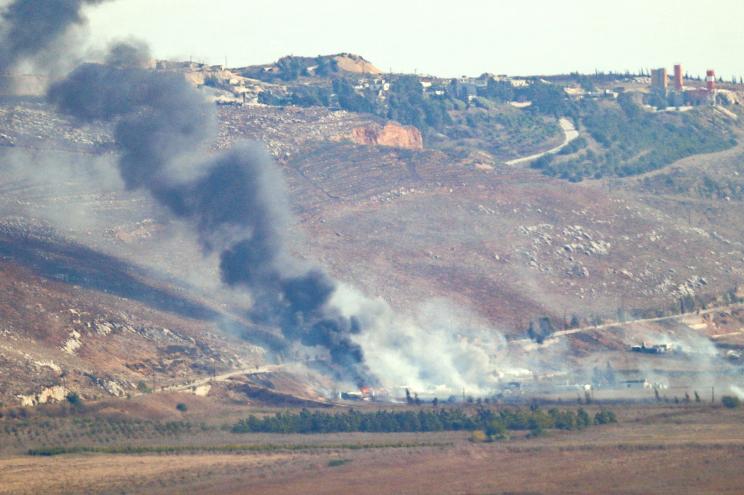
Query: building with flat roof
[[659, 80], [678, 78]]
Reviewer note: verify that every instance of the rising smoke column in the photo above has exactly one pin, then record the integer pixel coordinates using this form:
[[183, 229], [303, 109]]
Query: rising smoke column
[[29, 27], [235, 200], [237, 203]]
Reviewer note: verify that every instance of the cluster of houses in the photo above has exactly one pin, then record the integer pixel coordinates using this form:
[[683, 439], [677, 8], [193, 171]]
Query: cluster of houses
[[578, 93], [235, 89], [464, 87]]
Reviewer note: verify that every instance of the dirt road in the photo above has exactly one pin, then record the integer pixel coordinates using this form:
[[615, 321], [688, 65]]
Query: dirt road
[[221, 377], [569, 134], [590, 328]]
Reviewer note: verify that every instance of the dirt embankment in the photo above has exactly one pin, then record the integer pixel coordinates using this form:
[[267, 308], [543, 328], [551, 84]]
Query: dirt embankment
[[354, 63], [391, 134]]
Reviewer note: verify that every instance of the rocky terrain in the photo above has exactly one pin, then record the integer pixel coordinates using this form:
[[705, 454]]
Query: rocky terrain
[[103, 292], [388, 135], [73, 319]]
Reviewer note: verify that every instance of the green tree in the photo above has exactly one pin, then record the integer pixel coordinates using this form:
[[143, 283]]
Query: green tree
[[730, 401], [575, 321], [325, 66], [290, 68], [548, 99], [408, 105], [604, 417], [495, 429], [499, 90], [349, 99], [74, 398]]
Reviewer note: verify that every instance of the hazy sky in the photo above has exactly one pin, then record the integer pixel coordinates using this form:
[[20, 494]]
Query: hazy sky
[[446, 38]]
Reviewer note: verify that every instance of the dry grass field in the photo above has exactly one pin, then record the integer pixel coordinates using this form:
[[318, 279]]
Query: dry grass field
[[653, 449]]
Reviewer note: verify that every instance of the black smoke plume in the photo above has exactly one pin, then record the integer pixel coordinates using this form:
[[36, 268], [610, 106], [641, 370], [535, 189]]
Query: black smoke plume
[[235, 200], [30, 27]]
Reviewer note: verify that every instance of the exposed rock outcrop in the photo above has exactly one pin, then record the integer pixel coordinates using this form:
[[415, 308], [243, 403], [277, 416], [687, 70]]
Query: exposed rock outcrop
[[391, 134], [55, 393]]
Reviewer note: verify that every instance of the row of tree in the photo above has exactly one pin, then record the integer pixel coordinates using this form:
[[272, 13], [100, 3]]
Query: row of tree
[[438, 419]]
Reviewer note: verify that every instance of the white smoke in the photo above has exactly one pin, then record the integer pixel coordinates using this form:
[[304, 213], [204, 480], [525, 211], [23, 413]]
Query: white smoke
[[738, 391], [436, 349]]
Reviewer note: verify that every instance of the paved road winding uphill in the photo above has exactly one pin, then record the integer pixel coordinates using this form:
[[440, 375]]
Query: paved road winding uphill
[[569, 134]]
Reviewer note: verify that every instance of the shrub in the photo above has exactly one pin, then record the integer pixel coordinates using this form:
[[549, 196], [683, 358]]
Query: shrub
[[478, 436], [730, 401], [496, 429], [73, 398], [182, 407], [605, 417]]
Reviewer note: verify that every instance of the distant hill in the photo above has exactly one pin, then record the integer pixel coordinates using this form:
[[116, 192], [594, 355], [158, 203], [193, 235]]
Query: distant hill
[[291, 67], [355, 63]]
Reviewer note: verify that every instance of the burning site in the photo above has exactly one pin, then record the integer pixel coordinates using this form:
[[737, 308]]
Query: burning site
[[235, 203], [291, 275]]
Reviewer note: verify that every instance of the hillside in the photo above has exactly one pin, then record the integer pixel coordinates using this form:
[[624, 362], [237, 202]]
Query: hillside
[[625, 139], [406, 197], [74, 319], [291, 67]]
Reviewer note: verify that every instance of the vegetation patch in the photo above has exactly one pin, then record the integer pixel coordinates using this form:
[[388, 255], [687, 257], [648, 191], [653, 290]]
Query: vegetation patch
[[630, 140], [191, 449], [723, 185], [730, 401], [493, 423]]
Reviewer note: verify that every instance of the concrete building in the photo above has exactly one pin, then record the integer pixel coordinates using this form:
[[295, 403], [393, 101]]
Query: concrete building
[[466, 88], [679, 95], [697, 96], [651, 349], [678, 78], [659, 80]]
